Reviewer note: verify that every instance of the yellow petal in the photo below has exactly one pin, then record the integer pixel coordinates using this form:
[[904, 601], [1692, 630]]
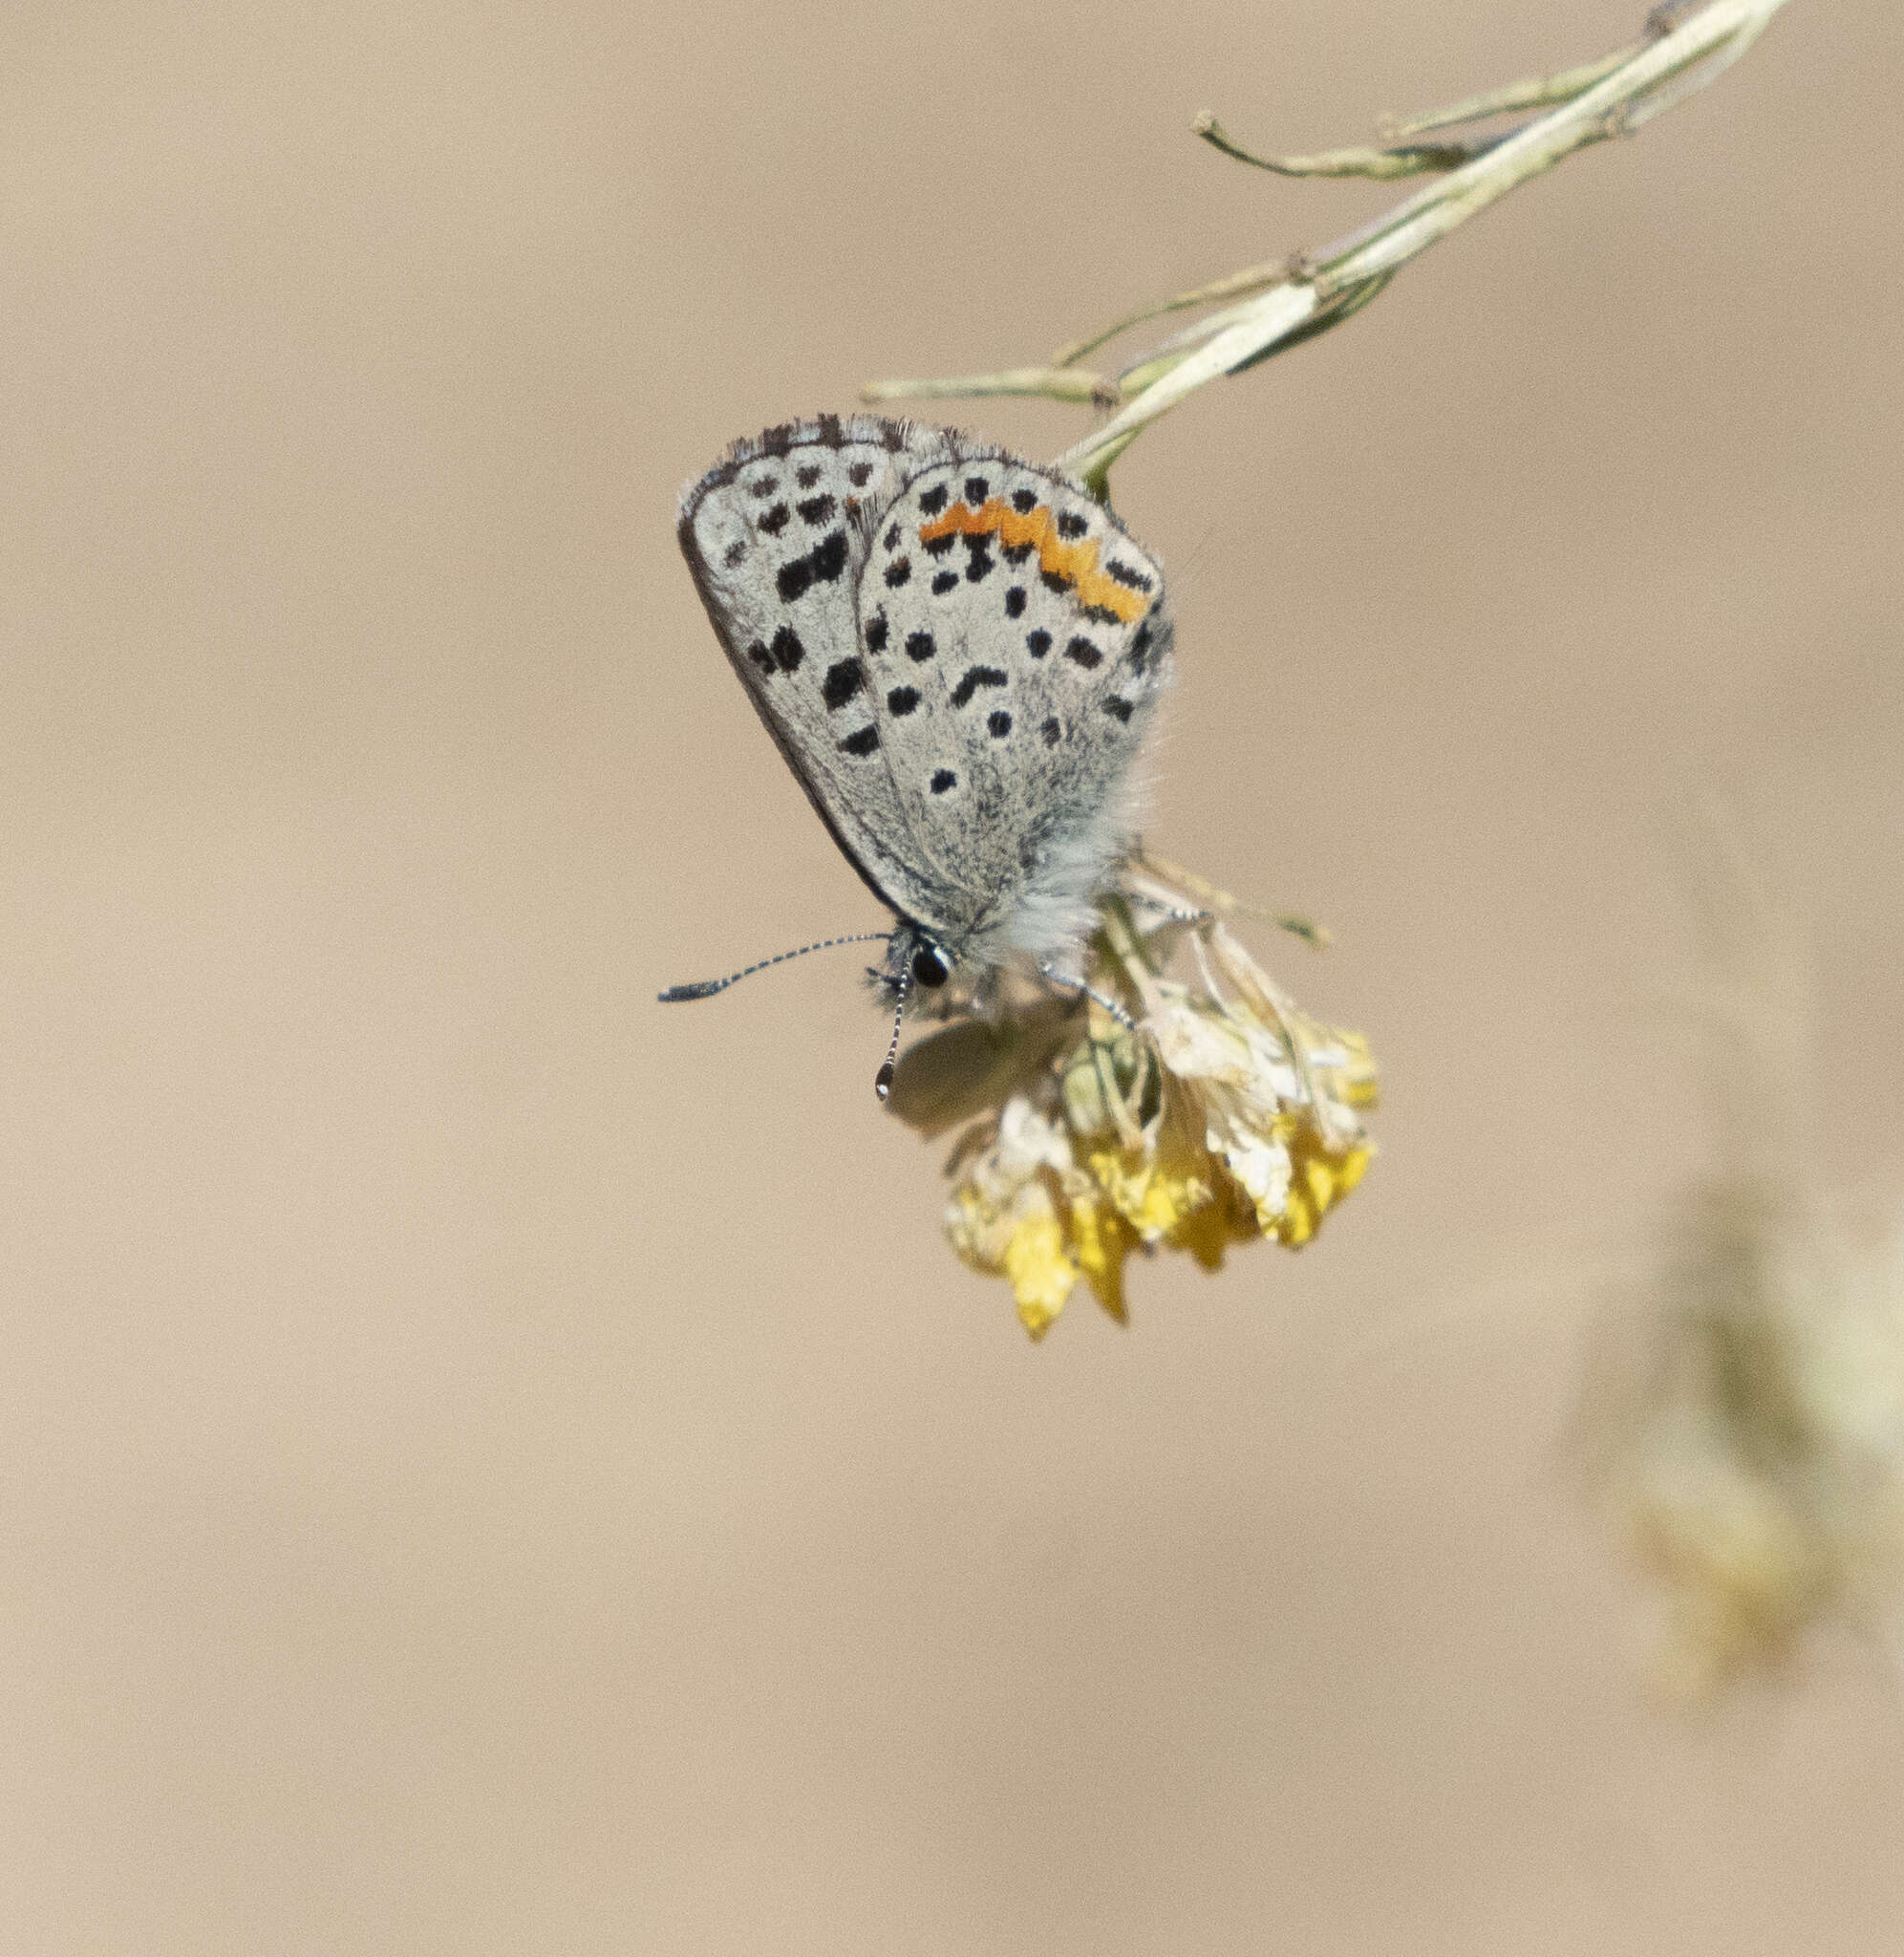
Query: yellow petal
[[1041, 1274], [1319, 1178], [1100, 1240], [1155, 1195], [1209, 1231]]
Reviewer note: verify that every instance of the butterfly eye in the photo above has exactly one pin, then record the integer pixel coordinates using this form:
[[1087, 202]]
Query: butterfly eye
[[930, 967]]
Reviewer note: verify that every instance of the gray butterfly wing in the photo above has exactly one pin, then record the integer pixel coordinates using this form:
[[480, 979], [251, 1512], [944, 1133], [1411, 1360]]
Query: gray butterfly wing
[[776, 534], [1016, 642]]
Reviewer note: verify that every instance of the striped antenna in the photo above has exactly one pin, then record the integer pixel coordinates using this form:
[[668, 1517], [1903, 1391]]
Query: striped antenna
[[882, 1081], [706, 988]]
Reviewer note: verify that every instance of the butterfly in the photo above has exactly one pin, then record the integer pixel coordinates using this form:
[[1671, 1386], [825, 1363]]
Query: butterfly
[[957, 653]]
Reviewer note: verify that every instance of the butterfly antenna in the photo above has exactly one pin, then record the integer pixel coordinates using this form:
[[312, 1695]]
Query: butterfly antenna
[[706, 988], [882, 1081]]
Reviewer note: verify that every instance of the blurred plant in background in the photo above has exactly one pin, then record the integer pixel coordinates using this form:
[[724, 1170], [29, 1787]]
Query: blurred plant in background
[[1743, 1420], [1182, 1113]]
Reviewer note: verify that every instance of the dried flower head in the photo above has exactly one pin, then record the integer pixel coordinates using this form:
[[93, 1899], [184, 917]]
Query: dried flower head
[[1744, 1417], [1178, 1113]]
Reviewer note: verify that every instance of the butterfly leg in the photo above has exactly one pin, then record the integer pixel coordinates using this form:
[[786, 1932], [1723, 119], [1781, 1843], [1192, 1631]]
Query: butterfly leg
[[1096, 997], [1172, 913]]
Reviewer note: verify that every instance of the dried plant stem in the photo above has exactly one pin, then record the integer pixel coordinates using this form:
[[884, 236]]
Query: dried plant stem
[[1540, 93], [1174, 877], [1237, 285], [1393, 160], [1055, 383], [1277, 305]]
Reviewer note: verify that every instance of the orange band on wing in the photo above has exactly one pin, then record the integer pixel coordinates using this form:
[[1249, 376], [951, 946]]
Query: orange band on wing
[[1076, 561]]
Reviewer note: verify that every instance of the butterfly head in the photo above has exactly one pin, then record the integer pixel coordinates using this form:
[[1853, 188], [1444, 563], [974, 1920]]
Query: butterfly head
[[915, 958]]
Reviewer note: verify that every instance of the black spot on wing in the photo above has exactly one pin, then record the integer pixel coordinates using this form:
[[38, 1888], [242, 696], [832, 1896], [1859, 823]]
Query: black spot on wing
[[875, 632], [1100, 615], [788, 650], [942, 780], [1037, 643], [1024, 500], [920, 646], [822, 565], [971, 679], [944, 581], [901, 701], [762, 658], [1051, 732], [933, 500], [978, 564], [1128, 575], [1055, 581], [843, 678], [1117, 707], [1016, 554], [1084, 652], [815, 510], [859, 475], [976, 491], [861, 742], [1071, 526], [733, 554], [998, 725], [937, 546], [897, 572], [807, 475], [1014, 602], [763, 485], [775, 520]]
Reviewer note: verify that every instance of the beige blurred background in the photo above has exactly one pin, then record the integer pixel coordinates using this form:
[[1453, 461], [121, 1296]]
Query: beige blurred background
[[489, 1464]]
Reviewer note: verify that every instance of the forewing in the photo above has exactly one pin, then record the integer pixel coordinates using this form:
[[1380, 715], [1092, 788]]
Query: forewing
[[1016, 642], [776, 534]]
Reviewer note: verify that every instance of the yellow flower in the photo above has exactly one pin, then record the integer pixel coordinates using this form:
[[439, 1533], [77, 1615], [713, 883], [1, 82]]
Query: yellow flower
[[1004, 1217], [1100, 1240], [1320, 1177], [1216, 1114]]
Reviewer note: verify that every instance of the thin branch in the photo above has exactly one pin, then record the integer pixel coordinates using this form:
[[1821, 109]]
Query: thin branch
[[1238, 336], [1397, 159], [1057, 383], [1277, 305], [1238, 285], [1543, 92]]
